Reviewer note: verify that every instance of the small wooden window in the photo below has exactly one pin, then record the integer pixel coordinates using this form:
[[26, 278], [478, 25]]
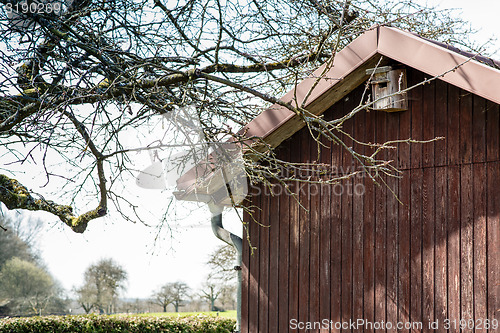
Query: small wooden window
[[387, 82]]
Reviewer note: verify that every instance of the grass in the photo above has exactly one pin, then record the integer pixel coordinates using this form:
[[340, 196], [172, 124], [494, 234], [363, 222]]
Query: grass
[[225, 314]]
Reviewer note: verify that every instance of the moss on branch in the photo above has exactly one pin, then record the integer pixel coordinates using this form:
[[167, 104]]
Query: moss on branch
[[16, 196]]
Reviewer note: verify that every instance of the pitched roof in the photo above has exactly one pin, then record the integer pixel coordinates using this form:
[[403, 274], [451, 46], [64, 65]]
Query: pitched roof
[[473, 73]]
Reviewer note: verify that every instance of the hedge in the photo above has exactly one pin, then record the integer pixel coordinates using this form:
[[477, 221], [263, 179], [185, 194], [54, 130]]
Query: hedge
[[109, 324]]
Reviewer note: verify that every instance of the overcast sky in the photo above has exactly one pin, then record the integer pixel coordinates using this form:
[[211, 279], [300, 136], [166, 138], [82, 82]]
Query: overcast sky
[[132, 245]]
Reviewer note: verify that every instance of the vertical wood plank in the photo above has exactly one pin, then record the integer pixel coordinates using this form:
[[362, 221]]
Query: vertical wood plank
[[392, 252], [404, 157], [264, 264], [358, 217], [369, 230], [428, 123], [392, 133], [346, 305], [492, 131], [392, 193], [465, 148], [274, 257], [283, 250], [466, 239], [245, 265], [441, 123], [478, 129], [453, 244], [336, 256], [392, 231], [404, 250], [357, 292], [253, 297], [314, 255], [441, 264], [416, 119], [284, 262], [325, 277], [416, 246], [304, 240], [480, 271], [347, 162], [428, 242], [453, 139], [380, 233], [293, 273], [336, 232], [368, 253], [493, 241]]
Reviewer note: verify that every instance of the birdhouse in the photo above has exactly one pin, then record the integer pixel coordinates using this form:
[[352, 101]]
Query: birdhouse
[[387, 83]]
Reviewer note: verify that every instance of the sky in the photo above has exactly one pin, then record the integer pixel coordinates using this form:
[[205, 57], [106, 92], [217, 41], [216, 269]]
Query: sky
[[151, 263], [482, 14]]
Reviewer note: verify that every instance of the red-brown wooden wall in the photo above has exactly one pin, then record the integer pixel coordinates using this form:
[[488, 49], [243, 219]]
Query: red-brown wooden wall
[[363, 255]]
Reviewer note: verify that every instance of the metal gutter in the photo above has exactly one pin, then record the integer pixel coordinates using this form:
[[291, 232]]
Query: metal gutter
[[236, 242]]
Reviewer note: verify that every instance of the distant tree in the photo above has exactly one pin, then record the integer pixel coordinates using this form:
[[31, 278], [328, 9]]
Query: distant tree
[[180, 293], [27, 287], [11, 245], [164, 296], [227, 297], [175, 293], [102, 283], [86, 297], [222, 277], [211, 291], [221, 263], [27, 228]]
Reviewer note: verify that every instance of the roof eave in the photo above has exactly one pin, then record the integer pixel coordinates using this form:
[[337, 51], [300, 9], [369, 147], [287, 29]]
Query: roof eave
[[435, 60]]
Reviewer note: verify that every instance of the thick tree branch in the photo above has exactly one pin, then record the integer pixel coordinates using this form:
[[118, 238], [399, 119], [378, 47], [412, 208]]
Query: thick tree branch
[[16, 196], [76, 96]]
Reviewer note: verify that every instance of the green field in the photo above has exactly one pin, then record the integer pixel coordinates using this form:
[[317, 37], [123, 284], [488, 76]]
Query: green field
[[225, 314]]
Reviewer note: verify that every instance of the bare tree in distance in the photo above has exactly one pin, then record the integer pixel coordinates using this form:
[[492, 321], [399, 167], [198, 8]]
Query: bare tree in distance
[[175, 293], [221, 279], [102, 284], [164, 296], [86, 297], [211, 291], [221, 263], [180, 292], [77, 84]]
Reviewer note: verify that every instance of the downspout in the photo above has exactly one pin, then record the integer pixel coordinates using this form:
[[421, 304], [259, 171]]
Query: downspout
[[236, 242]]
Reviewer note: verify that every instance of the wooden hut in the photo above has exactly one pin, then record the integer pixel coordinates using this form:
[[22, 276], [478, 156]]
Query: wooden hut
[[355, 259]]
